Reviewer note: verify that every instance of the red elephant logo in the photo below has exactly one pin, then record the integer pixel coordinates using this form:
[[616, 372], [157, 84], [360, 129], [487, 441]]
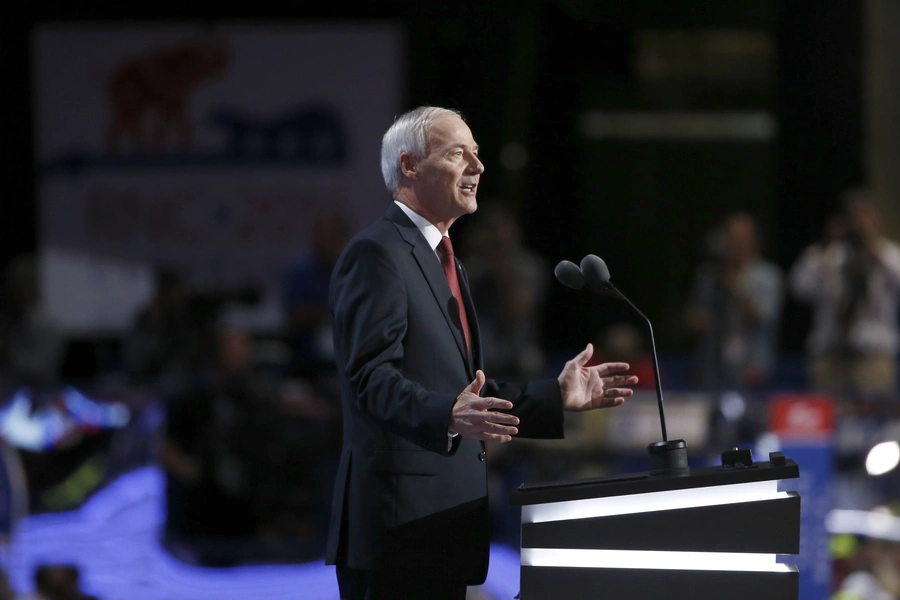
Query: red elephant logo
[[150, 95]]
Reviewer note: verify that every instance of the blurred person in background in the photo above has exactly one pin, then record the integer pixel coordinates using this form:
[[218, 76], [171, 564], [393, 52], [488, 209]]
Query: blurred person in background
[[175, 337], [242, 452], [852, 279], [734, 309], [31, 345], [205, 489], [874, 571], [510, 282], [159, 346], [305, 298]]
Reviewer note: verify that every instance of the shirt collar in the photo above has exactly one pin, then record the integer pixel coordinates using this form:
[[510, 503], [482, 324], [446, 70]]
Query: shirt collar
[[431, 233]]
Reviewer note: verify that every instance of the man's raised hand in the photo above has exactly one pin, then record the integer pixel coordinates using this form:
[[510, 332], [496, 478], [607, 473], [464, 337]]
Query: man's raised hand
[[472, 415], [586, 388]]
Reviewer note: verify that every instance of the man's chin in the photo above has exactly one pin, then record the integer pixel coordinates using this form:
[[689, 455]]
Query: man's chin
[[464, 206]]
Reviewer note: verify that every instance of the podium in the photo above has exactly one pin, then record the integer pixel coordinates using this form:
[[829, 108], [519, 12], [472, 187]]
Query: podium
[[701, 534]]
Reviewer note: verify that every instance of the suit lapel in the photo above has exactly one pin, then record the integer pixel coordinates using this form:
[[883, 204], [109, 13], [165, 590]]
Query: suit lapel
[[433, 272]]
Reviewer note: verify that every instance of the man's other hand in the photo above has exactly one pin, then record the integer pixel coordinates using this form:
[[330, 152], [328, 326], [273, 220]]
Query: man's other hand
[[473, 416], [586, 388]]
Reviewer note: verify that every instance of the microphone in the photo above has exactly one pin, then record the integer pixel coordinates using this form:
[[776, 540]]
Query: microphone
[[596, 276], [569, 275], [666, 455]]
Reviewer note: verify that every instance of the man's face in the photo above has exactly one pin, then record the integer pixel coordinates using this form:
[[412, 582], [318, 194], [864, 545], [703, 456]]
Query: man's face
[[236, 350], [446, 180], [741, 239], [864, 219]]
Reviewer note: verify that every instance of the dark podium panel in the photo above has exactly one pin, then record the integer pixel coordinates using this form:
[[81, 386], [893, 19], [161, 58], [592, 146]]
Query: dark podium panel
[[708, 533], [572, 583]]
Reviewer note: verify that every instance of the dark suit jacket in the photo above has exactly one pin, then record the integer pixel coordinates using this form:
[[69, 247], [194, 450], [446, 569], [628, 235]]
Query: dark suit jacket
[[403, 499]]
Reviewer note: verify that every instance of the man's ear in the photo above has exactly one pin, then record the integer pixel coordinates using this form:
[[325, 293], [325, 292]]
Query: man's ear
[[408, 165]]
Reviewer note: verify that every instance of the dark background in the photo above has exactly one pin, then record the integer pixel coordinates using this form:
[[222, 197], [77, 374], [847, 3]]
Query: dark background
[[524, 71]]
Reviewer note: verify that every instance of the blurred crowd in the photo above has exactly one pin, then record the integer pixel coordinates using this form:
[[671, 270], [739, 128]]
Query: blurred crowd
[[251, 430], [850, 278]]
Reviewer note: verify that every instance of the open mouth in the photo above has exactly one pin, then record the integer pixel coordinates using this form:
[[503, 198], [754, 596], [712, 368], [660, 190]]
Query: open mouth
[[469, 188]]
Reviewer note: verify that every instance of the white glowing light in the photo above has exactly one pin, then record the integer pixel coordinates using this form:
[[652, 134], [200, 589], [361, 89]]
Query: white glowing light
[[873, 524], [882, 458], [642, 559], [651, 502]]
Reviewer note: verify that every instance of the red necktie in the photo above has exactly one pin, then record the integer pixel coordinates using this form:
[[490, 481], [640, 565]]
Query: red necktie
[[445, 249]]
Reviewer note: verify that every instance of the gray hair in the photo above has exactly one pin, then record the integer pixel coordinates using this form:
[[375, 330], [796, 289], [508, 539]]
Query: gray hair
[[407, 134]]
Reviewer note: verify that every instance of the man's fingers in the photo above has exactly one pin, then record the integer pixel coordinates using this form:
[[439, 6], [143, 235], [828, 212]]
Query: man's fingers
[[618, 380], [490, 416], [492, 437], [585, 355], [612, 367], [477, 384], [488, 431], [489, 403], [498, 429], [477, 423]]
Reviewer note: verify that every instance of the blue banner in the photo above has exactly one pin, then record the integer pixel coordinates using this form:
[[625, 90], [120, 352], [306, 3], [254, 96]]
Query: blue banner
[[814, 486]]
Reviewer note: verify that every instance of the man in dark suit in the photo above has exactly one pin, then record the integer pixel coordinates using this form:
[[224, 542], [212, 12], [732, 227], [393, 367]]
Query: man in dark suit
[[410, 513]]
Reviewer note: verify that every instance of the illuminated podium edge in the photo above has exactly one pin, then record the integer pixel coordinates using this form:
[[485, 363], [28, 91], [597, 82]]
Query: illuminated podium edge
[[708, 532]]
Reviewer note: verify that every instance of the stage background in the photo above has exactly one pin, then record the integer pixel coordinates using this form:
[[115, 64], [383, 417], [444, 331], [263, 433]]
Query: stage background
[[283, 123]]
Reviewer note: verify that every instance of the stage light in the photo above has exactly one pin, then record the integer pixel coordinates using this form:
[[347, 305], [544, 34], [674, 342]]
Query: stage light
[[878, 523], [640, 559], [883, 458], [650, 502], [733, 406]]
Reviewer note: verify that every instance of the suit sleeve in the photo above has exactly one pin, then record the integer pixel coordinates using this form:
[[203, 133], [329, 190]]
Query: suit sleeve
[[538, 404], [369, 305]]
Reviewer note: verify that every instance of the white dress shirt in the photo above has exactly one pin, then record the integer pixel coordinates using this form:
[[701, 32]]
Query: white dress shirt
[[431, 233]]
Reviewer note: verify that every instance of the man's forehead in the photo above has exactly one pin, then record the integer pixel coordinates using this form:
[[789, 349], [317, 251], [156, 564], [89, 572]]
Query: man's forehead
[[449, 130]]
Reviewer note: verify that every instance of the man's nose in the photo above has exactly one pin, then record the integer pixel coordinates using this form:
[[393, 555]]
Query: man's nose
[[475, 165]]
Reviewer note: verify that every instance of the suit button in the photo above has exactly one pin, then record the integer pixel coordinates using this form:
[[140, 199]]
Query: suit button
[[482, 456]]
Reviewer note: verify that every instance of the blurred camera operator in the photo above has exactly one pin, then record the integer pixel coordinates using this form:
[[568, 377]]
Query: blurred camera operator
[[852, 279], [734, 309]]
